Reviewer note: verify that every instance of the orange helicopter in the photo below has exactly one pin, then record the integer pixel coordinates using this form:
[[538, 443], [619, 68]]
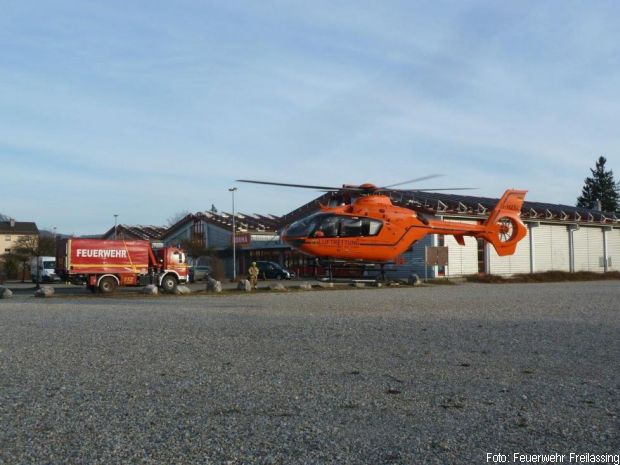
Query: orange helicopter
[[367, 227]]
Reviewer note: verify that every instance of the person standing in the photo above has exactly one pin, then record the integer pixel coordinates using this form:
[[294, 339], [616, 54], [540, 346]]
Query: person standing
[[253, 272]]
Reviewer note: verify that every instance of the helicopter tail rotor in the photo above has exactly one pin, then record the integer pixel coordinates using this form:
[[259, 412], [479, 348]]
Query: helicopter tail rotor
[[504, 228]]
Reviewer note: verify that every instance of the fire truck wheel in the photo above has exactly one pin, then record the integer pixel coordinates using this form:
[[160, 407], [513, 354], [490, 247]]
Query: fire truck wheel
[[107, 285], [168, 283]]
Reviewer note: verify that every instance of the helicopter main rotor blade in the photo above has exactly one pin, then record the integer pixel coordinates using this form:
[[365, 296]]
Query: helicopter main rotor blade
[[284, 184], [423, 178], [435, 190]]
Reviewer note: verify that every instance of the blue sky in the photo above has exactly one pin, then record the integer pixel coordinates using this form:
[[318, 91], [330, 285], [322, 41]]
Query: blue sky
[[144, 109]]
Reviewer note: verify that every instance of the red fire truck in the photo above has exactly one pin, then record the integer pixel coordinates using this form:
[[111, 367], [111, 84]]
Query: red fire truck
[[105, 264]]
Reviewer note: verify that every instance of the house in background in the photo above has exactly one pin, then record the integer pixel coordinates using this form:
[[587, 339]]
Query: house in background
[[256, 237], [11, 231]]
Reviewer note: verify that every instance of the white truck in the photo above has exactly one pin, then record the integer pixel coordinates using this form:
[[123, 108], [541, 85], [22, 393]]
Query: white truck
[[43, 269]]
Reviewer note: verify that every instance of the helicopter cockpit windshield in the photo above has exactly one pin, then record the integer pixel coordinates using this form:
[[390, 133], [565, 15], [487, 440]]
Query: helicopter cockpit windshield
[[330, 225]]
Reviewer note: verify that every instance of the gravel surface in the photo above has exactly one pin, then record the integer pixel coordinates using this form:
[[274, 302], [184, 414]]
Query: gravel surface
[[430, 375]]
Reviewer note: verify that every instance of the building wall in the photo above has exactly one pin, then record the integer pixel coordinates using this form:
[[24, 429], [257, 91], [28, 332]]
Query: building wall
[[510, 264], [8, 241], [217, 237], [551, 248], [214, 236], [413, 262], [179, 236], [551, 251], [588, 245], [462, 259], [613, 249]]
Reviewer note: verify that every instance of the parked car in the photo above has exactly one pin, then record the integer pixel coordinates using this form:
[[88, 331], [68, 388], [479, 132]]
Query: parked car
[[273, 270], [199, 273]]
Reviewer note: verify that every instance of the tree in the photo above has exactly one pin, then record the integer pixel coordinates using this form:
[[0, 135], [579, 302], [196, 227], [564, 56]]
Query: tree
[[8, 266], [36, 246], [600, 187], [28, 247], [178, 216], [194, 247]]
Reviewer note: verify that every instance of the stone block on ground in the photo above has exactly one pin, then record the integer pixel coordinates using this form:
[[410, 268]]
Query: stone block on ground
[[305, 286], [150, 289], [44, 291], [244, 285], [5, 293], [214, 285], [277, 287], [414, 280], [182, 290]]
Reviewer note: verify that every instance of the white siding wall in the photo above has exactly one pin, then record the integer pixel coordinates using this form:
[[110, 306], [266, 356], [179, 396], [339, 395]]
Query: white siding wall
[[462, 259], [588, 243], [551, 251], [511, 264], [560, 253], [613, 249]]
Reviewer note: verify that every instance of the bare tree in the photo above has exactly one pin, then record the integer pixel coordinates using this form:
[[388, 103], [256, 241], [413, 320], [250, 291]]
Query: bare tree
[[36, 246], [178, 216], [28, 247]]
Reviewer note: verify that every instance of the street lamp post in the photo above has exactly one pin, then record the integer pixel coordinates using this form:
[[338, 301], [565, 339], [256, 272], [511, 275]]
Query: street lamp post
[[115, 225], [234, 242]]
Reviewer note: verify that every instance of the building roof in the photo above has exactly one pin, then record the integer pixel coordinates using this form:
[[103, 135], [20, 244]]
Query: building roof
[[150, 233], [253, 223], [469, 205], [18, 227], [460, 205]]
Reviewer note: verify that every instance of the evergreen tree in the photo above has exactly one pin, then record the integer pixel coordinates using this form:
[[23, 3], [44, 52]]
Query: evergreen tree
[[601, 186]]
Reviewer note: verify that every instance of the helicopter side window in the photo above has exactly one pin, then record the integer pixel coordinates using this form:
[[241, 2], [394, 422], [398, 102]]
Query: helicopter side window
[[351, 227], [329, 227], [305, 226], [355, 227], [374, 226]]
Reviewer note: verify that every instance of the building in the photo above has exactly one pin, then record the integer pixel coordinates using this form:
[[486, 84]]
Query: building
[[256, 237], [11, 231]]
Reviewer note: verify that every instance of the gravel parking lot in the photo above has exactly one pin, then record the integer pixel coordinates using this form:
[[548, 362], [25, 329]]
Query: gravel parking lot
[[430, 375]]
